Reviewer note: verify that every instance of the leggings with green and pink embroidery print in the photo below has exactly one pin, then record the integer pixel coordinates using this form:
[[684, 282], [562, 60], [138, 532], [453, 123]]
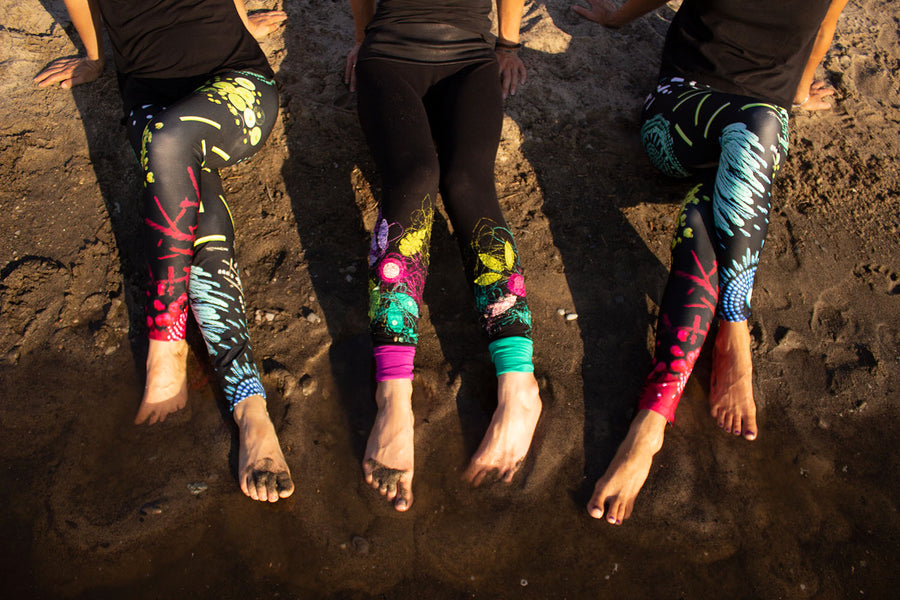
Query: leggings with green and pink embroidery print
[[436, 127]]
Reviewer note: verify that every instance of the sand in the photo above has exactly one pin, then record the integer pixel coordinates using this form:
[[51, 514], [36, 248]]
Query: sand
[[95, 507]]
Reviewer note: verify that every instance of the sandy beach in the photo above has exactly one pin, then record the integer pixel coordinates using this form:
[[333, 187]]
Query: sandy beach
[[95, 507]]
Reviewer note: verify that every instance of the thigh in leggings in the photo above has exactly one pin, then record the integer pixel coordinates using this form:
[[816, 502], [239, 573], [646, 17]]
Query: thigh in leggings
[[733, 146], [221, 123]]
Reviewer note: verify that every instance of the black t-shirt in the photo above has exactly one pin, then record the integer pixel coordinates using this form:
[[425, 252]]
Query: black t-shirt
[[428, 31], [755, 48], [164, 48]]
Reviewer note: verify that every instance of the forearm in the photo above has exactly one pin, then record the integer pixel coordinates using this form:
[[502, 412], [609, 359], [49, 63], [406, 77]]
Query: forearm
[[363, 11], [242, 11], [509, 19], [85, 17], [632, 10], [820, 47]]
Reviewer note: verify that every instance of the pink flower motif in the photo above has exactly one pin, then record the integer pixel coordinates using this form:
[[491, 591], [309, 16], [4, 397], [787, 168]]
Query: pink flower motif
[[516, 284], [501, 306], [678, 365], [682, 335], [676, 351], [391, 270]]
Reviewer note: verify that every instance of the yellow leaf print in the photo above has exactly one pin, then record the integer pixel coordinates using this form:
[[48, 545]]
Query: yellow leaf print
[[491, 263], [412, 242], [509, 255], [487, 278]]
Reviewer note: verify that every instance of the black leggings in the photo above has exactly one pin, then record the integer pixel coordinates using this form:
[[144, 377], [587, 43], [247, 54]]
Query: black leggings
[[430, 128], [732, 147], [190, 234]]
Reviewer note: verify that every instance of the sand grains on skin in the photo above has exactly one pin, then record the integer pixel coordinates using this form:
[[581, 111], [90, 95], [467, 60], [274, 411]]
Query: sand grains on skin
[[262, 470], [165, 391], [389, 458], [731, 387], [505, 444]]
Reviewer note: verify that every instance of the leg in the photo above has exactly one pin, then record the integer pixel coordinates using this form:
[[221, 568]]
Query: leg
[[466, 113], [685, 315], [221, 123], [217, 301], [397, 130]]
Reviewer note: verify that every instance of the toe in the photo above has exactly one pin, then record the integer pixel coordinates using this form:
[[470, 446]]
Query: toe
[[271, 487], [285, 484], [750, 428]]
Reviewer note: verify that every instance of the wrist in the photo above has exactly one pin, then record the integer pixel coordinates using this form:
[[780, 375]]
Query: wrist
[[505, 44]]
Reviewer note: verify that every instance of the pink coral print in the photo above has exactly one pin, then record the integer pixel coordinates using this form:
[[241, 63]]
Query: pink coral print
[[391, 270], [516, 284]]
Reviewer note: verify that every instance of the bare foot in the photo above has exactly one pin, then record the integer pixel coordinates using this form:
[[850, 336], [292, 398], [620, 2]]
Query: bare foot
[[166, 388], [731, 390], [388, 462], [503, 449], [629, 468], [262, 471]]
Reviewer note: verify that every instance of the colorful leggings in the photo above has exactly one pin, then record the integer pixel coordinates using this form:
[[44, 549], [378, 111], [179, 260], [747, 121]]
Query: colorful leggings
[[437, 127], [733, 146], [190, 234]]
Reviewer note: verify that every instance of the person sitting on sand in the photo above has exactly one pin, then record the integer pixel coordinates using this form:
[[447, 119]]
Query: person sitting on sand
[[431, 86], [198, 95], [731, 71]]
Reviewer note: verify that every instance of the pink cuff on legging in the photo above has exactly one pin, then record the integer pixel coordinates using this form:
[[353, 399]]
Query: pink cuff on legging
[[663, 396], [394, 362]]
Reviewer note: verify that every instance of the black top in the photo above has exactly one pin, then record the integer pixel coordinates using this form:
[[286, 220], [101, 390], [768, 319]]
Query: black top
[[755, 48], [164, 48], [428, 31]]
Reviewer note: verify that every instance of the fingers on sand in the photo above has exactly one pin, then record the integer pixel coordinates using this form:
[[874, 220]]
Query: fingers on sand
[[394, 484]]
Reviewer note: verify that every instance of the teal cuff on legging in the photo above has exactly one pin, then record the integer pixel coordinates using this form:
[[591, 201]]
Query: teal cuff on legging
[[512, 355]]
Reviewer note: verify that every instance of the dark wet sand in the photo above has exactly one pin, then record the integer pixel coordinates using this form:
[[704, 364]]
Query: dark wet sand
[[807, 511]]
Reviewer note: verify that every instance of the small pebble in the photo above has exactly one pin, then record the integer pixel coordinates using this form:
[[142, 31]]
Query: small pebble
[[197, 488], [270, 317], [313, 318], [308, 385], [523, 582], [360, 545], [110, 350], [571, 316], [561, 312], [152, 508]]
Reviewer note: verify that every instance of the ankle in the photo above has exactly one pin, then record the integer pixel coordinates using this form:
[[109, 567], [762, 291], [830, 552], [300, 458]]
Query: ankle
[[394, 394], [251, 408], [524, 388], [647, 431]]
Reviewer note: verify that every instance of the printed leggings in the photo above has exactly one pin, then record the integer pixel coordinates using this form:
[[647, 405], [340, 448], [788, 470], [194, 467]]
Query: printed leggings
[[436, 127], [190, 233], [732, 146]]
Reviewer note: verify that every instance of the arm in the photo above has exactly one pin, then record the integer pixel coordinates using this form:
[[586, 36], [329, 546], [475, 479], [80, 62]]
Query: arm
[[363, 11], [607, 14], [809, 92], [512, 69], [260, 24], [80, 69]]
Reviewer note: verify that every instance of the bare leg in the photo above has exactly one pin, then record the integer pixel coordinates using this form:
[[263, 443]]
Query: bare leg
[[629, 468], [388, 462], [166, 388], [508, 437], [262, 471], [731, 392]]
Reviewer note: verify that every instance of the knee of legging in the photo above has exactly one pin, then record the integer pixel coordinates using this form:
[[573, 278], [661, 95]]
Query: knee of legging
[[769, 124], [412, 180], [164, 144], [467, 185]]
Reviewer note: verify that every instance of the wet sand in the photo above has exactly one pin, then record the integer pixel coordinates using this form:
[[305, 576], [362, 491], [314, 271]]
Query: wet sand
[[96, 508]]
